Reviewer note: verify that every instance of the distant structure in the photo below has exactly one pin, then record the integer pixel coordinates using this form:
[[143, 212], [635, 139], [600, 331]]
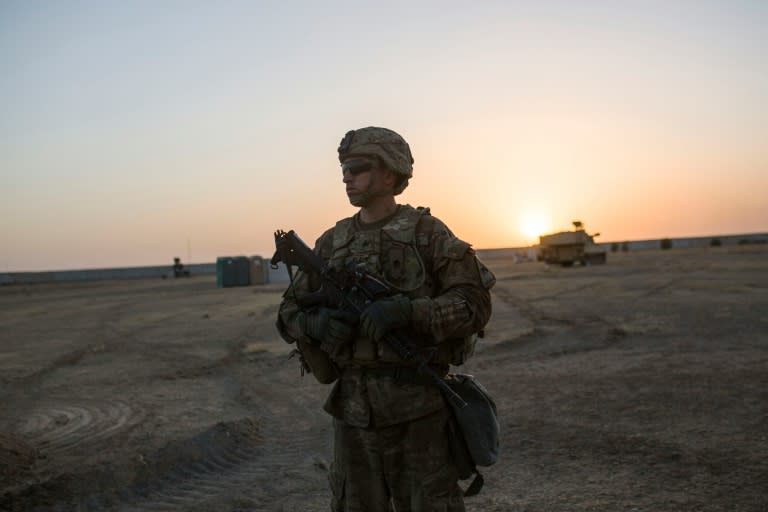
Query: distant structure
[[178, 268], [258, 273], [242, 271], [715, 241], [568, 247]]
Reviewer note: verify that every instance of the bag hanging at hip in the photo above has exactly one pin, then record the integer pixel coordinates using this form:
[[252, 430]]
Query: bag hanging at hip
[[474, 429]]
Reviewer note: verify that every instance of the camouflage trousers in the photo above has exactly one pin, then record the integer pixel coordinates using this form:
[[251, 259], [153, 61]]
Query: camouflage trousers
[[403, 468]]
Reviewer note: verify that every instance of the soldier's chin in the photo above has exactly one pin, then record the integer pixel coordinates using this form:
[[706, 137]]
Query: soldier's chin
[[358, 199]]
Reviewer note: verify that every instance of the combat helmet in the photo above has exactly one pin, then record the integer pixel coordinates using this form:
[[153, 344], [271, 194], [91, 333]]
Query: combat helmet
[[386, 145]]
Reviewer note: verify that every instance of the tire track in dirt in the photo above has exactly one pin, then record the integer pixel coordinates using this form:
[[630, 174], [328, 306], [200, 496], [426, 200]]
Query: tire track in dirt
[[98, 328], [250, 473], [656, 458], [229, 461], [255, 473], [61, 427], [555, 335], [55, 432]]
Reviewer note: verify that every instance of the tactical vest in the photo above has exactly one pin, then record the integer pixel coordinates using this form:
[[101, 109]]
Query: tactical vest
[[399, 253]]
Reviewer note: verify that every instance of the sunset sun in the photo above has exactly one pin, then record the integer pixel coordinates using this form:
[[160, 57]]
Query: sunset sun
[[533, 224]]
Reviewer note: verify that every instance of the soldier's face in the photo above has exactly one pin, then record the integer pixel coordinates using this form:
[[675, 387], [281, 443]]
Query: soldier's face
[[364, 180]]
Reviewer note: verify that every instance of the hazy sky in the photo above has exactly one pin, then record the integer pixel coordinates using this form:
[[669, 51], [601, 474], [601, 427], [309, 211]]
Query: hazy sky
[[133, 132]]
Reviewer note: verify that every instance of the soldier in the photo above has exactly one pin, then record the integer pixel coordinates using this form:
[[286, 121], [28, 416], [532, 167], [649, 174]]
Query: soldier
[[391, 449]]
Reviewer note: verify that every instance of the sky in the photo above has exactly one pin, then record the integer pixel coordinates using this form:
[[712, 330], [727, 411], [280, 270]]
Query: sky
[[135, 132]]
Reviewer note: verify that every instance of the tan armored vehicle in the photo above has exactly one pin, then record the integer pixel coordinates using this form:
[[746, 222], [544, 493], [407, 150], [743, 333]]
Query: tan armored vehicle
[[569, 247]]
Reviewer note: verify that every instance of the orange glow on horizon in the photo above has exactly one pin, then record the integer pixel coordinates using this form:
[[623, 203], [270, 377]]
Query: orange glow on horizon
[[533, 224]]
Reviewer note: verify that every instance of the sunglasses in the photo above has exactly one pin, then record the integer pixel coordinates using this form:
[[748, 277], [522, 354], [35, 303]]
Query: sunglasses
[[357, 167]]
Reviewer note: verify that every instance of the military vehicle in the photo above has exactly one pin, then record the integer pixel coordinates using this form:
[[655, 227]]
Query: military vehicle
[[568, 247]]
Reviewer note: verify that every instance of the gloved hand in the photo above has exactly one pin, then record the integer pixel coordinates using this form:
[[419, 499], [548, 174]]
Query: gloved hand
[[333, 328], [385, 315]]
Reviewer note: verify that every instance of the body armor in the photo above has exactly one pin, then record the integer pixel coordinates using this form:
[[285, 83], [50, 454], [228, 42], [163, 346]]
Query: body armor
[[399, 253]]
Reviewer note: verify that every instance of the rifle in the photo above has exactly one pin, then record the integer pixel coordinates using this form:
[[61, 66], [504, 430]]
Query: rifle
[[353, 289]]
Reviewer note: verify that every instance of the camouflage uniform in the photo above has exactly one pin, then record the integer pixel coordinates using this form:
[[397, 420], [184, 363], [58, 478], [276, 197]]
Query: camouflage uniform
[[390, 422]]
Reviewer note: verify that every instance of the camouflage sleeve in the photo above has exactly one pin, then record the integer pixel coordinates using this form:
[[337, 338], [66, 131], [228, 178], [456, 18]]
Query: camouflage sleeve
[[290, 318], [291, 324], [462, 303]]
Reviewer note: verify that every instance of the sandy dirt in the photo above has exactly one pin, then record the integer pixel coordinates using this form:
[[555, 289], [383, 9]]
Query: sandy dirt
[[639, 385]]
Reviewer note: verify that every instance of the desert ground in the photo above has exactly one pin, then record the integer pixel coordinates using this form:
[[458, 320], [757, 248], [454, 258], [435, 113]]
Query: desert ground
[[639, 385]]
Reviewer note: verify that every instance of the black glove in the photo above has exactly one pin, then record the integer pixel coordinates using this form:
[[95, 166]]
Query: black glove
[[385, 315], [332, 328]]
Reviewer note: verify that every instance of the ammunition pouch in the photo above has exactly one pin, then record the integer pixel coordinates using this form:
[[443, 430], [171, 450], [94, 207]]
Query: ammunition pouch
[[316, 362]]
